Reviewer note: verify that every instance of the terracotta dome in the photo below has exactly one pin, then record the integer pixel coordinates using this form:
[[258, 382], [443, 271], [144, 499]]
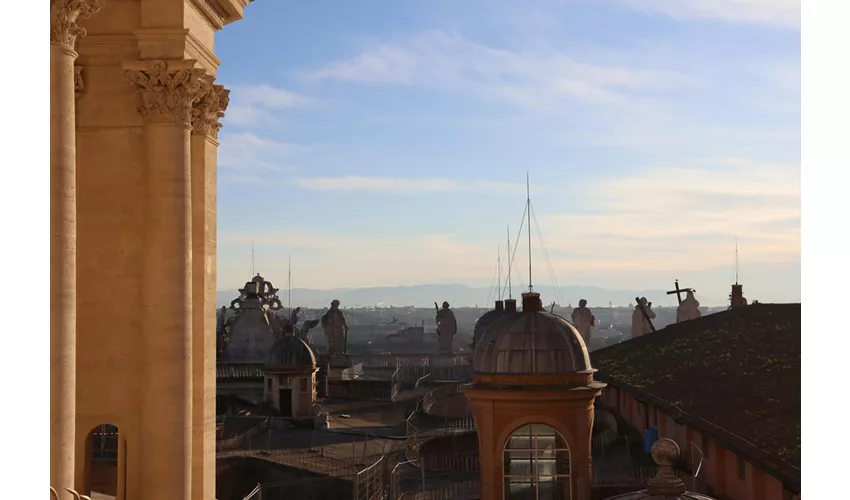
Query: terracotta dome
[[666, 485], [531, 342], [290, 351]]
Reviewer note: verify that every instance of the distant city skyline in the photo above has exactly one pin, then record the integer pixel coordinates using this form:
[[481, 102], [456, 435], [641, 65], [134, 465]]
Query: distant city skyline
[[384, 144]]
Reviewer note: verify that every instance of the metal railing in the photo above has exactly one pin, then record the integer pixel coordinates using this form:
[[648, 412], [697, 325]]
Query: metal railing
[[460, 462], [440, 392], [371, 482], [396, 384], [256, 493], [600, 441], [421, 379], [623, 476]]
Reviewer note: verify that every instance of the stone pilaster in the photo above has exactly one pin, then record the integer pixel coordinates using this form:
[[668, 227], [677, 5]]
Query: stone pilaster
[[167, 92], [63, 236], [205, 126]]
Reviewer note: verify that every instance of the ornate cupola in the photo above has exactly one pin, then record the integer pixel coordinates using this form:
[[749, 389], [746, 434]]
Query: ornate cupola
[[533, 392], [290, 377]]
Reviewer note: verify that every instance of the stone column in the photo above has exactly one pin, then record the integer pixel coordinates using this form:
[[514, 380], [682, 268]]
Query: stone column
[[167, 93], [63, 236], [205, 125]]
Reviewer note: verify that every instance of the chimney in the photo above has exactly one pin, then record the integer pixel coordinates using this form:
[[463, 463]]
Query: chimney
[[531, 302], [500, 305], [738, 296], [510, 305]]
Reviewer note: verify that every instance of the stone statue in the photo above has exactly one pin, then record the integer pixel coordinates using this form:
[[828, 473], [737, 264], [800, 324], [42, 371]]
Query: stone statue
[[584, 321], [293, 317], [336, 329], [640, 326], [688, 309], [304, 332], [446, 328]]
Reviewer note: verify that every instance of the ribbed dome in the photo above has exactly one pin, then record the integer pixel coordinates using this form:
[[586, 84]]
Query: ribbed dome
[[290, 351], [487, 319], [531, 342]]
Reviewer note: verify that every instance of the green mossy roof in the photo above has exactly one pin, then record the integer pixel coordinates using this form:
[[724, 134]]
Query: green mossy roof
[[735, 375]]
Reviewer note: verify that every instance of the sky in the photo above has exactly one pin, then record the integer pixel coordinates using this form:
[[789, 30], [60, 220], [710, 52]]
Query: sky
[[381, 143]]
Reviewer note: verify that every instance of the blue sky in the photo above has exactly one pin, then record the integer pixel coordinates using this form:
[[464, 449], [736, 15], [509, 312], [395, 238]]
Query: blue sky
[[386, 142]]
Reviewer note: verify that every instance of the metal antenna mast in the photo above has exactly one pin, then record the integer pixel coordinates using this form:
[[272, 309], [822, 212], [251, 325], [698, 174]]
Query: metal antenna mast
[[528, 209], [289, 288], [510, 264], [252, 260], [499, 265], [736, 260]]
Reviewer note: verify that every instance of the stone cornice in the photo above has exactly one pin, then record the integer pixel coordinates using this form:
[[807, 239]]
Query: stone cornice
[[167, 90], [196, 48], [209, 12], [63, 19], [232, 8]]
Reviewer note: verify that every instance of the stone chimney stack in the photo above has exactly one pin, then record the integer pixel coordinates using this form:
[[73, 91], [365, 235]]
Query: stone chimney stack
[[510, 305], [738, 296], [531, 302], [500, 305]]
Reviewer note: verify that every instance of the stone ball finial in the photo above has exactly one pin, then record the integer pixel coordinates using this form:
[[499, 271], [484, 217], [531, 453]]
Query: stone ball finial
[[665, 452]]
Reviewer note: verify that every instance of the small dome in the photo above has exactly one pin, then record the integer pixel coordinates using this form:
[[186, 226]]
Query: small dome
[[531, 342], [290, 351], [666, 485], [487, 319]]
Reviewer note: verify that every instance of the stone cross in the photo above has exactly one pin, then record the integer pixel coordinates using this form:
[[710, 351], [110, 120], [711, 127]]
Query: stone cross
[[679, 291]]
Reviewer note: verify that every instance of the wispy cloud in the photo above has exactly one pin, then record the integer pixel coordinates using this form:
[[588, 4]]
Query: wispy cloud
[[535, 78], [673, 218], [634, 231], [245, 156], [348, 260], [779, 13], [401, 184], [255, 104]]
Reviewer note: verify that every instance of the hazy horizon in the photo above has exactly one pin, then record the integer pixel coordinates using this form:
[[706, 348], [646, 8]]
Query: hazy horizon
[[385, 143], [462, 295]]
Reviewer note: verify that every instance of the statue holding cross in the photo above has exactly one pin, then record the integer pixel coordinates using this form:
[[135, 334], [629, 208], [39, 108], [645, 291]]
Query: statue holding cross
[[689, 307], [679, 291]]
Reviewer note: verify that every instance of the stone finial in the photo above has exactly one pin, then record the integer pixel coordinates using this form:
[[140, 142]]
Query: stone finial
[[168, 95], [63, 19], [208, 111], [665, 453]]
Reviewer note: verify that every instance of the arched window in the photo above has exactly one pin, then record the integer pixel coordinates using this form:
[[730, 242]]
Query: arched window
[[537, 464]]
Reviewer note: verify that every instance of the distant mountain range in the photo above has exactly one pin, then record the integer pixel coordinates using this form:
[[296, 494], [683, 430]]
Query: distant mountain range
[[459, 295]]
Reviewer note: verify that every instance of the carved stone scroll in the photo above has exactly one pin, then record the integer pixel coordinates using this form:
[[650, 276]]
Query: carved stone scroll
[[209, 110], [63, 19], [168, 95]]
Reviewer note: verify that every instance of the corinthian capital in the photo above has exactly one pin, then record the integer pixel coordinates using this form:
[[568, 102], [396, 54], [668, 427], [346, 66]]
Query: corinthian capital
[[209, 109], [63, 19], [167, 93]]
